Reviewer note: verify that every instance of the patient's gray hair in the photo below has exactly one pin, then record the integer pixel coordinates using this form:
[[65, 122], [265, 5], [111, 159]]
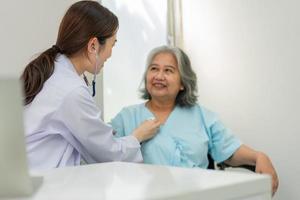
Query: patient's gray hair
[[186, 97]]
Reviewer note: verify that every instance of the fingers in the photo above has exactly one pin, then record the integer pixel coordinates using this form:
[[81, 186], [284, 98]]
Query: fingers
[[265, 166], [156, 125], [155, 121], [275, 184], [151, 119], [275, 181]]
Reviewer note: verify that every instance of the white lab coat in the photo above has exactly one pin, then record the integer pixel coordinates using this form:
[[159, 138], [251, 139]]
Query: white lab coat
[[63, 125]]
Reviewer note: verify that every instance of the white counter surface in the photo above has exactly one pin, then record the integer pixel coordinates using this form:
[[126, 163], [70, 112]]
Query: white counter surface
[[120, 180]]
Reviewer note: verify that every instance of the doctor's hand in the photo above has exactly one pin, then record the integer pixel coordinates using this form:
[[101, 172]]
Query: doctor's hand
[[264, 166], [146, 130]]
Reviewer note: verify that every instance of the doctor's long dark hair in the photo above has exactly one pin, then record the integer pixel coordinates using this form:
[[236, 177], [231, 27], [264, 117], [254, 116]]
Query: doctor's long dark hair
[[82, 21]]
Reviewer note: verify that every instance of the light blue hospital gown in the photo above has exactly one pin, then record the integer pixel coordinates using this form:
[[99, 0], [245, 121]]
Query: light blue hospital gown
[[184, 140]]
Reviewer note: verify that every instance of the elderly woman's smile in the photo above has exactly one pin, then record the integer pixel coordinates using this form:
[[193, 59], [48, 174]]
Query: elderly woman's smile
[[163, 77], [159, 85]]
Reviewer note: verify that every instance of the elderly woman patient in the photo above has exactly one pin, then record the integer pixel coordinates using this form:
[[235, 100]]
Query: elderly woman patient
[[188, 131]]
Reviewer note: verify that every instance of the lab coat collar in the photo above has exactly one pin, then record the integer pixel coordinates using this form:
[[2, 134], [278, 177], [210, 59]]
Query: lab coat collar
[[61, 58], [66, 62]]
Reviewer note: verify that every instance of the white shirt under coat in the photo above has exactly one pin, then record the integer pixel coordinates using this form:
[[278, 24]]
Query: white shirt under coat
[[63, 125]]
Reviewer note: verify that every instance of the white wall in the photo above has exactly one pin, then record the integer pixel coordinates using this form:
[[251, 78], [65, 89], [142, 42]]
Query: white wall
[[246, 55], [143, 26], [27, 28]]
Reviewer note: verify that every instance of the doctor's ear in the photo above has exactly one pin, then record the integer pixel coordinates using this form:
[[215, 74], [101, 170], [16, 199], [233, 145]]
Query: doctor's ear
[[93, 45]]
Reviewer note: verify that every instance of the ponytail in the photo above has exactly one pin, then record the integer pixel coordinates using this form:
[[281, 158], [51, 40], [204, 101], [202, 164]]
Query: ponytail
[[82, 21], [37, 72]]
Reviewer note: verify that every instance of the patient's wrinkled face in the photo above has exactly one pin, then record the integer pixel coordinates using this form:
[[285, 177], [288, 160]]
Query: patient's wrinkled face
[[163, 78]]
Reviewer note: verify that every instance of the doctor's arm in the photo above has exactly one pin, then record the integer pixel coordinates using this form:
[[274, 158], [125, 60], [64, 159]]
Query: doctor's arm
[[146, 130], [82, 118], [143, 132], [246, 155]]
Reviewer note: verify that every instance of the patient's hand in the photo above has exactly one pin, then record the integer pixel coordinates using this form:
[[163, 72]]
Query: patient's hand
[[264, 166], [146, 130]]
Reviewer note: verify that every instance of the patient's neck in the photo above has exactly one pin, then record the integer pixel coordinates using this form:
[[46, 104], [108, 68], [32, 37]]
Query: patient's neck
[[161, 106], [161, 109]]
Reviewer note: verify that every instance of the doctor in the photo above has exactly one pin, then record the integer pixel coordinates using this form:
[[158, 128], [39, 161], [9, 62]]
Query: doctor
[[62, 122]]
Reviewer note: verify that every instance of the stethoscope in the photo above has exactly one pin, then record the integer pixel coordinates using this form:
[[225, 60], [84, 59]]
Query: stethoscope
[[93, 91], [94, 77]]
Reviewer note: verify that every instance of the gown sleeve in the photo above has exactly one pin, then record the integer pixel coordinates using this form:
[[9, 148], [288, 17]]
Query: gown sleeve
[[82, 118], [222, 142]]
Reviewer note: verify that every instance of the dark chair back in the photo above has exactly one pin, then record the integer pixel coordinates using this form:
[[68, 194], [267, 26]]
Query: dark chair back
[[222, 165], [211, 162]]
